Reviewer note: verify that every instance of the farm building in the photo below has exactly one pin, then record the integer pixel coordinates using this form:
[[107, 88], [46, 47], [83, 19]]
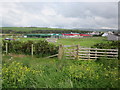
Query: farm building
[[105, 34], [44, 35], [56, 35], [113, 37], [39, 35], [75, 35], [68, 35], [95, 33]]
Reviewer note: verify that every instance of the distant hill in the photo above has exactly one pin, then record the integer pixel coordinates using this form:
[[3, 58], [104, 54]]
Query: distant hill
[[90, 29], [26, 30]]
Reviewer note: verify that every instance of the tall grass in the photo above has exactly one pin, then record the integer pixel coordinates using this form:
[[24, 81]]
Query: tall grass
[[54, 73]]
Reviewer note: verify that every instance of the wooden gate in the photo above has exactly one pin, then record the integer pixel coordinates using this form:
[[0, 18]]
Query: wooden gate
[[70, 51], [82, 53]]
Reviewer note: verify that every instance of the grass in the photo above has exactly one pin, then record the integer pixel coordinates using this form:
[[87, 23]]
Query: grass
[[22, 71], [86, 42], [53, 73]]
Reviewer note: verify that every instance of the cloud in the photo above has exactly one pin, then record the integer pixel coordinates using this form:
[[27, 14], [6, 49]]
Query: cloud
[[53, 14]]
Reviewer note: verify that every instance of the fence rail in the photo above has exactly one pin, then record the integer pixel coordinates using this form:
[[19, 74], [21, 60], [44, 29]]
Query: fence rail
[[77, 52]]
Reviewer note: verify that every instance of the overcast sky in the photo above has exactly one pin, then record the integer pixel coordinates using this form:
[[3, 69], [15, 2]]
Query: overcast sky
[[102, 15]]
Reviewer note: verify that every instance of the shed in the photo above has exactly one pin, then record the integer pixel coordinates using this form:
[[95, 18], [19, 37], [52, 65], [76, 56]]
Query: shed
[[39, 35], [44, 35], [113, 37]]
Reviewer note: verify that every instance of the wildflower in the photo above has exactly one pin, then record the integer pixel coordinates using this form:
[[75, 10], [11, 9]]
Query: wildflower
[[106, 74], [87, 69], [19, 80]]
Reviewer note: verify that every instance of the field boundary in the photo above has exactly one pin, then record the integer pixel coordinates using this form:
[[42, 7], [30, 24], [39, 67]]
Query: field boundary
[[79, 53]]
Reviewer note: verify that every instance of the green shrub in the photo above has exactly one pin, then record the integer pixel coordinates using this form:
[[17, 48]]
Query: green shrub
[[41, 48], [108, 45]]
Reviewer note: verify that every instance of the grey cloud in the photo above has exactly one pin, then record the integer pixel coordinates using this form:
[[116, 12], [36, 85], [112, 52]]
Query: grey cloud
[[62, 14]]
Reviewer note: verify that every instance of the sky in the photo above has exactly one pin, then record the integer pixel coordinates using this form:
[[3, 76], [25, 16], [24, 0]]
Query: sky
[[100, 15]]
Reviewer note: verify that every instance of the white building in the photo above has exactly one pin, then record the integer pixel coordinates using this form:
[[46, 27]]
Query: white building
[[113, 37]]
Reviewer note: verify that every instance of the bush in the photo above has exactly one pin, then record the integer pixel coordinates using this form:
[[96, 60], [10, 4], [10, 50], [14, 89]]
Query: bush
[[41, 48], [108, 45]]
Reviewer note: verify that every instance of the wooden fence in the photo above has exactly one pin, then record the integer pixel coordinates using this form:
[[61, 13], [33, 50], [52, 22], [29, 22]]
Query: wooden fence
[[82, 53]]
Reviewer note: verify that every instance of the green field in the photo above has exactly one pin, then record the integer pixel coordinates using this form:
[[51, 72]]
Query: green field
[[86, 42], [29, 28]]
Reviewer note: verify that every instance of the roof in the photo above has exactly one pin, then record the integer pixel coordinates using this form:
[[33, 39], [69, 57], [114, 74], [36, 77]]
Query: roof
[[44, 34], [76, 34], [38, 35]]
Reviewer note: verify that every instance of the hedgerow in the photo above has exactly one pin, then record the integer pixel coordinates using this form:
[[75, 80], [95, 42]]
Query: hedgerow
[[40, 48]]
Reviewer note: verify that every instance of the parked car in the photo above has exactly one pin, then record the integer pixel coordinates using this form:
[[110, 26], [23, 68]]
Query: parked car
[[9, 39]]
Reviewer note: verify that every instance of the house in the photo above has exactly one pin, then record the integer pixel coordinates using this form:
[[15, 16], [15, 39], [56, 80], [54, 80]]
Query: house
[[113, 37], [105, 34], [95, 33]]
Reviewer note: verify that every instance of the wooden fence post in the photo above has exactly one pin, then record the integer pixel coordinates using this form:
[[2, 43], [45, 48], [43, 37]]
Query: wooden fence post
[[77, 52], [32, 50], [6, 48], [60, 52], [96, 53], [89, 54]]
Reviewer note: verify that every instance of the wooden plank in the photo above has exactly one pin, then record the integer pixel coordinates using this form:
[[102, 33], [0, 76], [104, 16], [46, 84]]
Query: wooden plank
[[86, 54], [70, 55], [99, 49], [70, 52], [100, 52], [77, 52], [95, 52], [69, 49], [98, 55], [87, 57], [69, 58], [52, 56], [69, 45], [105, 52], [109, 55], [89, 54]]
